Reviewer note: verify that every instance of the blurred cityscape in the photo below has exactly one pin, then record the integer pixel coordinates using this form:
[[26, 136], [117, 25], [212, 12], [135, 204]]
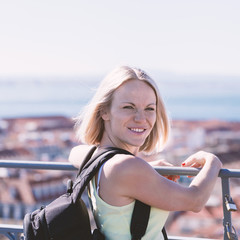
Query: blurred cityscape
[[51, 139]]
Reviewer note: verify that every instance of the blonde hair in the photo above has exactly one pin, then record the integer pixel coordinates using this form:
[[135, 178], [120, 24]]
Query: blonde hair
[[90, 125]]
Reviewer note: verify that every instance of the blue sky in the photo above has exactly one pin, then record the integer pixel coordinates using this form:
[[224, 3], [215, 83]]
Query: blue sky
[[75, 37]]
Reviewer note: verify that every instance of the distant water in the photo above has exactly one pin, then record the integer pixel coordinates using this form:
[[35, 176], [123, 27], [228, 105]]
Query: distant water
[[187, 100]]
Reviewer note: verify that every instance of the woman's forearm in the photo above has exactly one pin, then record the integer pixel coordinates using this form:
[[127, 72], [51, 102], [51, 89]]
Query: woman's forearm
[[204, 182]]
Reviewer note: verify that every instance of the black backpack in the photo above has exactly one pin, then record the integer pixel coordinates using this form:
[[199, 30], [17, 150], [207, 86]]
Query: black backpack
[[66, 218]]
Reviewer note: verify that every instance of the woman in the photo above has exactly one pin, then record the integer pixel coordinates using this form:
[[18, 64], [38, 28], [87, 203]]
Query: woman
[[127, 112]]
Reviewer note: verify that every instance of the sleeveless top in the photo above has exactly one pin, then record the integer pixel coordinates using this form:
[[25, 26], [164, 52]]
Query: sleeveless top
[[114, 222]]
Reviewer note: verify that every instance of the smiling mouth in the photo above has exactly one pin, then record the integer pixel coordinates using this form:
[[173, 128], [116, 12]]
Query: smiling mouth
[[137, 130]]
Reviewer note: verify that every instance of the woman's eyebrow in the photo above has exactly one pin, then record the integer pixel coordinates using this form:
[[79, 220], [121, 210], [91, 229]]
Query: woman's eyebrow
[[128, 103], [134, 104], [152, 104]]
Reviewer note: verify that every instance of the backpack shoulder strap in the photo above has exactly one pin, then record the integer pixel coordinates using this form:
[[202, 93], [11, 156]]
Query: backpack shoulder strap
[[91, 167], [164, 233], [86, 159], [139, 221]]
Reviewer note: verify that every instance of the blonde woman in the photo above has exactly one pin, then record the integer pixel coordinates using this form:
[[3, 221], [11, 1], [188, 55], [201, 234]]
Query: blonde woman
[[127, 112]]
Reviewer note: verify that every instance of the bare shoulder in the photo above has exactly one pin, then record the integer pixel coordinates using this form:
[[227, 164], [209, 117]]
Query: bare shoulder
[[131, 174], [78, 154], [127, 165]]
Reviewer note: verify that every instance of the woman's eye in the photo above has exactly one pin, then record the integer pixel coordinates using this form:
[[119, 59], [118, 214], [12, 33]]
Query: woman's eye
[[150, 109], [128, 107]]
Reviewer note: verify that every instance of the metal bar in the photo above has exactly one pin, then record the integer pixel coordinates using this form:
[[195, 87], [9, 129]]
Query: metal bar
[[227, 219], [37, 165], [233, 173], [11, 231], [7, 227], [189, 171], [10, 236]]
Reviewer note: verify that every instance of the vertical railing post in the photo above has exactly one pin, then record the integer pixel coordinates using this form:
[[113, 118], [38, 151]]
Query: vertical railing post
[[227, 220]]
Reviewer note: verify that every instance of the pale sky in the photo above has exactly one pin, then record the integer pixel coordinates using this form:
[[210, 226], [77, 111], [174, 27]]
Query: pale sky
[[75, 37]]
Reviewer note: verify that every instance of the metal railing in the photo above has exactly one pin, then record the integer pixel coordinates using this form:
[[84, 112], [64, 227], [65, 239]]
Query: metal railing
[[14, 232]]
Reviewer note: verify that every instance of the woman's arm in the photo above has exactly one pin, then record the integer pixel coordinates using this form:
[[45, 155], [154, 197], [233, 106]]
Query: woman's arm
[[135, 179], [155, 161], [126, 178], [205, 180]]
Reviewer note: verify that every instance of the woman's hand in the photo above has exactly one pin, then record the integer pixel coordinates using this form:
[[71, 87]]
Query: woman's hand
[[199, 159]]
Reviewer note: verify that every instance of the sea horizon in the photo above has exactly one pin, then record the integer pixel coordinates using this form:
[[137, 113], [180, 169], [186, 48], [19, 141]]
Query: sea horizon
[[185, 99]]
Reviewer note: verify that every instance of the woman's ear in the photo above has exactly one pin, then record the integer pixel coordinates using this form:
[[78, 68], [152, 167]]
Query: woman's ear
[[105, 115]]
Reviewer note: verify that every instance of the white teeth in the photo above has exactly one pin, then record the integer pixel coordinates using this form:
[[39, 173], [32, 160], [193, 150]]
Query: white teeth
[[137, 129]]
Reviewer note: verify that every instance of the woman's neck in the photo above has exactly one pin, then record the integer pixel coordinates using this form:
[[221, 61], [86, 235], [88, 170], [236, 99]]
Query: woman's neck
[[107, 142]]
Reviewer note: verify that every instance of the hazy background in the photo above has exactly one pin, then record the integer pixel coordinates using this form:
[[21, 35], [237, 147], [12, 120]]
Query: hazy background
[[191, 48], [75, 37]]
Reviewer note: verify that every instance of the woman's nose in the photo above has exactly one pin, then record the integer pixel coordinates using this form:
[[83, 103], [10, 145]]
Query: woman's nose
[[139, 116]]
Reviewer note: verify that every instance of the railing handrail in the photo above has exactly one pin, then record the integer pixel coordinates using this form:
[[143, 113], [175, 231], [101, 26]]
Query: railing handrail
[[186, 171], [37, 165]]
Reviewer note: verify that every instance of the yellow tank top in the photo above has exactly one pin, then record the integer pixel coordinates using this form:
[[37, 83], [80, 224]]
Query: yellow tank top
[[114, 222]]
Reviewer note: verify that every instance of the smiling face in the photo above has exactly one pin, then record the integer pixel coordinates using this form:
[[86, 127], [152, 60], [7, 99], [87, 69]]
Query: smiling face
[[131, 116]]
